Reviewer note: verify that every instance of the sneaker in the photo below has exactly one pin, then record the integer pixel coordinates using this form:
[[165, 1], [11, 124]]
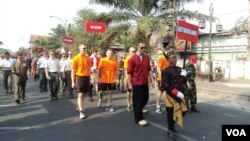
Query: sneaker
[[130, 108], [159, 110], [99, 104], [109, 108], [143, 123], [82, 115], [144, 110]]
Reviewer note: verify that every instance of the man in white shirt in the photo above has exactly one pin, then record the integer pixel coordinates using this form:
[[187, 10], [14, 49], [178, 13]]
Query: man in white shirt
[[63, 80], [6, 66], [41, 70], [68, 73], [52, 69]]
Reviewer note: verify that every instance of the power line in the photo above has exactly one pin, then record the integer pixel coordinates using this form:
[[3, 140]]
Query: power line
[[233, 12]]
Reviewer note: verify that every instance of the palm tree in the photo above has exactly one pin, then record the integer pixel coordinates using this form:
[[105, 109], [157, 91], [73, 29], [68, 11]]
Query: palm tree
[[144, 17], [54, 40], [41, 42]]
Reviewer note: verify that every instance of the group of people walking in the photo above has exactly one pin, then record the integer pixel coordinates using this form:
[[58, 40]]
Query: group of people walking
[[84, 73]]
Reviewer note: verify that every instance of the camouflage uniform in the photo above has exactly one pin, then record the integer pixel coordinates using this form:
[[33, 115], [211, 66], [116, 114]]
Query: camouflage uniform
[[20, 69], [192, 94]]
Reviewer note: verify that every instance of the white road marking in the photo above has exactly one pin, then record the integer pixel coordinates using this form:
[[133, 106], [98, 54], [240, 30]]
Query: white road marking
[[8, 105], [237, 85], [165, 129], [14, 128]]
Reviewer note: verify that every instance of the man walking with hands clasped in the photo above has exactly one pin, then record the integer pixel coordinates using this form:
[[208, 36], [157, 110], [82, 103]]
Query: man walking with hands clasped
[[138, 71]]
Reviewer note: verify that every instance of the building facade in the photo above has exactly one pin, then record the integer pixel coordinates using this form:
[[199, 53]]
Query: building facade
[[229, 50]]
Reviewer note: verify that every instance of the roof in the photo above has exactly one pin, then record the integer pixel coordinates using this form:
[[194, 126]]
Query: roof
[[33, 38]]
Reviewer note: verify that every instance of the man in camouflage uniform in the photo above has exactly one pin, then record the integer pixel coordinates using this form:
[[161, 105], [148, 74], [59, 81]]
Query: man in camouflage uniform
[[21, 71], [191, 73]]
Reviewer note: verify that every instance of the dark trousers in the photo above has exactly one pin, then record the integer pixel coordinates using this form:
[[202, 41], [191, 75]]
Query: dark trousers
[[91, 91], [20, 85], [170, 120], [43, 80], [140, 99], [69, 82], [6, 74], [54, 84], [63, 81]]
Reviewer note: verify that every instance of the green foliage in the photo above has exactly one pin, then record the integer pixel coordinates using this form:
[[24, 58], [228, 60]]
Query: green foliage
[[240, 25]]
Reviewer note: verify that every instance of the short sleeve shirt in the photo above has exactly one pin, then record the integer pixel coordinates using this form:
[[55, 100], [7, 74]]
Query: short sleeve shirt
[[81, 63], [108, 68], [162, 64]]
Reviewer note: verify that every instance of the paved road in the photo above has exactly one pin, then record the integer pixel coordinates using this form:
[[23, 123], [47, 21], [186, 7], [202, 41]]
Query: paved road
[[42, 120]]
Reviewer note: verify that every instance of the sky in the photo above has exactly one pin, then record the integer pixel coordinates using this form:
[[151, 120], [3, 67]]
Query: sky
[[21, 18]]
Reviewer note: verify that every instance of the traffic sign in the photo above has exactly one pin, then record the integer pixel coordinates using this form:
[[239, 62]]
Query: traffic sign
[[92, 26], [68, 40], [39, 49]]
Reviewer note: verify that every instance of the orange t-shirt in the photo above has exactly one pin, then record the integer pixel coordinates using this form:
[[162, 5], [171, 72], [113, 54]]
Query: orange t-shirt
[[162, 64], [81, 63], [108, 68], [126, 62]]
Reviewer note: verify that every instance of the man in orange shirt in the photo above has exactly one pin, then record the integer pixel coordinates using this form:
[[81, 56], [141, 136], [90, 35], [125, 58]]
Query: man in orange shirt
[[108, 76], [128, 93], [80, 73], [161, 64]]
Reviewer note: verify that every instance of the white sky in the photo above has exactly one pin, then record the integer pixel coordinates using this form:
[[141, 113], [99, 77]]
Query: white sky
[[21, 18]]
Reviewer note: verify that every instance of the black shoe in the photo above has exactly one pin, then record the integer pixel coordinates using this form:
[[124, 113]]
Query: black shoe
[[90, 99], [172, 135], [193, 109], [17, 101]]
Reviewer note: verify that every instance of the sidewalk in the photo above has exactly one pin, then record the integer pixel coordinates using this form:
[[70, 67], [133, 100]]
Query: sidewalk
[[236, 87]]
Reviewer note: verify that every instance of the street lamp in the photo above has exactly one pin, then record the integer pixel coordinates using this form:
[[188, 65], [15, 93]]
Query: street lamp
[[65, 24], [66, 29], [202, 25], [211, 10]]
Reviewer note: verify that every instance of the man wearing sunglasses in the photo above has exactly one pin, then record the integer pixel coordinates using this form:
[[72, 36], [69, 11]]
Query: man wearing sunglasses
[[128, 93], [138, 71], [52, 71]]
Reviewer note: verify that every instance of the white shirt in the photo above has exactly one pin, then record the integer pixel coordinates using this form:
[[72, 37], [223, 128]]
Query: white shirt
[[52, 65], [94, 66], [68, 64], [62, 65], [42, 62], [6, 64]]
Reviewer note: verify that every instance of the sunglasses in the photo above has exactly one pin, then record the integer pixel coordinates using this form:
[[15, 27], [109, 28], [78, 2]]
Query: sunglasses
[[52, 54], [142, 47], [63, 56], [133, 51], [84, 48]]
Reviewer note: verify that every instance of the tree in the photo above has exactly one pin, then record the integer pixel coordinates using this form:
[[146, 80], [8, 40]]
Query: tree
[[144, 17]]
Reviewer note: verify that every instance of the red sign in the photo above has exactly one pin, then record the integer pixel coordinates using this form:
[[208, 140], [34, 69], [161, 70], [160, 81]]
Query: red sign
[[187, 31], [68, 40], [39, 49], [95, 26]]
